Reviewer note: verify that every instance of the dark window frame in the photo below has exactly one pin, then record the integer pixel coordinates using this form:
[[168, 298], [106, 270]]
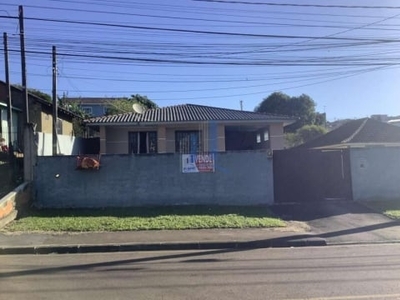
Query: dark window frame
[[188, 141], [135, 139]]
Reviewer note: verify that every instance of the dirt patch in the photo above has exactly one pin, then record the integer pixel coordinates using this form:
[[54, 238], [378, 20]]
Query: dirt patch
[[294, 226]]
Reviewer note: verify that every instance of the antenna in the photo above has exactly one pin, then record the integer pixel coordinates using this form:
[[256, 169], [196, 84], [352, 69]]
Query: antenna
[[138, 108]]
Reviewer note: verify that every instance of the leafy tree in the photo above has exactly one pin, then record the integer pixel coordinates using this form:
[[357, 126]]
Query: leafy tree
[[40, 94], [78, 124], [310, 132], [304, 134], [301, 107], [143, 100], [124, 105], [37, 93], [320, 119], [292, 139]]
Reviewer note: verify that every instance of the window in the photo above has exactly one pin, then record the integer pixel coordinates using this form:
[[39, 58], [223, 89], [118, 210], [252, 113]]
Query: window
[[143, 142], [188, 142], [266, 135], [59, 127], [258, 138], [87, 110]]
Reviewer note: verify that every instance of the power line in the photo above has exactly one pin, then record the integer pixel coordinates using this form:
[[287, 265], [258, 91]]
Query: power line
[[300, 5], [298, 62], [204, 19], [253, 35]]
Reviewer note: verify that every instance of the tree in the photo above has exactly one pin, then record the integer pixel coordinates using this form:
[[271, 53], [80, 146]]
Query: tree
[[37, 93], [143, 100], [310, 132], [124, 105], [304, 134], [78, 125], [301, 107]]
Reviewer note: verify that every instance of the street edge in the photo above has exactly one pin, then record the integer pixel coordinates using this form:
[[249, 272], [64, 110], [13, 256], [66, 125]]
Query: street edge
[[71, 249]]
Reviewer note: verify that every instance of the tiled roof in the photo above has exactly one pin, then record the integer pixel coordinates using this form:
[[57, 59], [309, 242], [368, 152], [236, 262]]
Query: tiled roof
[[361, 131], [188, 113]]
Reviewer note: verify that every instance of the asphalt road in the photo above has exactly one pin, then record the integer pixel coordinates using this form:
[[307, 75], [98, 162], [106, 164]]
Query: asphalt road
[[334, 272]]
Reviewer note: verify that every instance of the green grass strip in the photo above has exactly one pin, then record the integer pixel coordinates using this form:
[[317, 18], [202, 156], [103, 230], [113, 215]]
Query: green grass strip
[[155, 218]]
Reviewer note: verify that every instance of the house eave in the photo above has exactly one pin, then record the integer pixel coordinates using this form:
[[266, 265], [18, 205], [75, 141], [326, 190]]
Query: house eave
[[285, 122], [13, 107], [356, 145]]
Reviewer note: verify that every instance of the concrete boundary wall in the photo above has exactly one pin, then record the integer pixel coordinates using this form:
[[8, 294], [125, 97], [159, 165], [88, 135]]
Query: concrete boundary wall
[[13, 201], [240, 178], [375, 173], [66, 144]]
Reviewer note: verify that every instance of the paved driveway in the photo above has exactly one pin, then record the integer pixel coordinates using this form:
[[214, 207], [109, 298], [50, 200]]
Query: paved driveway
[[342, 222]]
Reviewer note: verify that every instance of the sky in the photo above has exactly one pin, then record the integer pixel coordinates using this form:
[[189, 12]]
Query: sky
[[344, 54]]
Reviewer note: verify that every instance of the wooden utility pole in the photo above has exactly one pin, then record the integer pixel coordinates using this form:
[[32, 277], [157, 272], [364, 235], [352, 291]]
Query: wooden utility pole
[[23, 63], [9, 101], [54, 94]]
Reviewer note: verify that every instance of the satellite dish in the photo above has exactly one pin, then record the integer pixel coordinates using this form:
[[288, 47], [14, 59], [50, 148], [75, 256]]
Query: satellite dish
[[138, 108]]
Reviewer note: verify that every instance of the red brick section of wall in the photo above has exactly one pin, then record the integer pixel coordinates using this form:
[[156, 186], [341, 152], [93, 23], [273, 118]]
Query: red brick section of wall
[[17, 198], [6, 208]]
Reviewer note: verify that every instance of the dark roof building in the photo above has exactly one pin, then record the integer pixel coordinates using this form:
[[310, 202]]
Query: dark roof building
[[189, 128], [93, 106], [358, 133], [187, 113]]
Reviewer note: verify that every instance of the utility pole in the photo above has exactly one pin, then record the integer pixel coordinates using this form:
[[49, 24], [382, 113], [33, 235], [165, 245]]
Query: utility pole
[[28, 136], [241, 104], [9, 100], [23, 63], [55, 109]]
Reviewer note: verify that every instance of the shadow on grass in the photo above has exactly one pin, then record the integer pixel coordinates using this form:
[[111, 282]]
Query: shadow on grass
[[245, 211]]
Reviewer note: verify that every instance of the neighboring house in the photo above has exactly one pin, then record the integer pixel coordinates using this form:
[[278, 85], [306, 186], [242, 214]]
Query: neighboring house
[[395, 122], [359, 160], [357, 133], [92, 106], [40, 114], [4, 123], [189, 128]]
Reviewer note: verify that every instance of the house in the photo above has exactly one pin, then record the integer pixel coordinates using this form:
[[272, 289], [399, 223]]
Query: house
[[357, 133], [360, 160], [40, 113], [183, 155], [189, 128], [15, 130], [395, 122], [92, 106]]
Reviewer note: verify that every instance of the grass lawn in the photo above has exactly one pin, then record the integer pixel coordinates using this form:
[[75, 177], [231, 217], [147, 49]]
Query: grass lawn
[[388, 208], [155, 218]]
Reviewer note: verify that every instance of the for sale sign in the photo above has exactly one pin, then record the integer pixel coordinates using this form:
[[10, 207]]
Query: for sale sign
[[198, 163]]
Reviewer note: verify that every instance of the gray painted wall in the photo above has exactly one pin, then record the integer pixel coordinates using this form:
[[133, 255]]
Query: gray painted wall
[[240, 178], [375, 173]]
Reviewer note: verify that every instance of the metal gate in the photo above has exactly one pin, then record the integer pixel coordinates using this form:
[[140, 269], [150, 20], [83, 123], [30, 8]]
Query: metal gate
[[304, 175]]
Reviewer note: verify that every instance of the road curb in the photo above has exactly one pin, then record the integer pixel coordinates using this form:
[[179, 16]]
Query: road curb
[[363, 243], [65, 249]]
